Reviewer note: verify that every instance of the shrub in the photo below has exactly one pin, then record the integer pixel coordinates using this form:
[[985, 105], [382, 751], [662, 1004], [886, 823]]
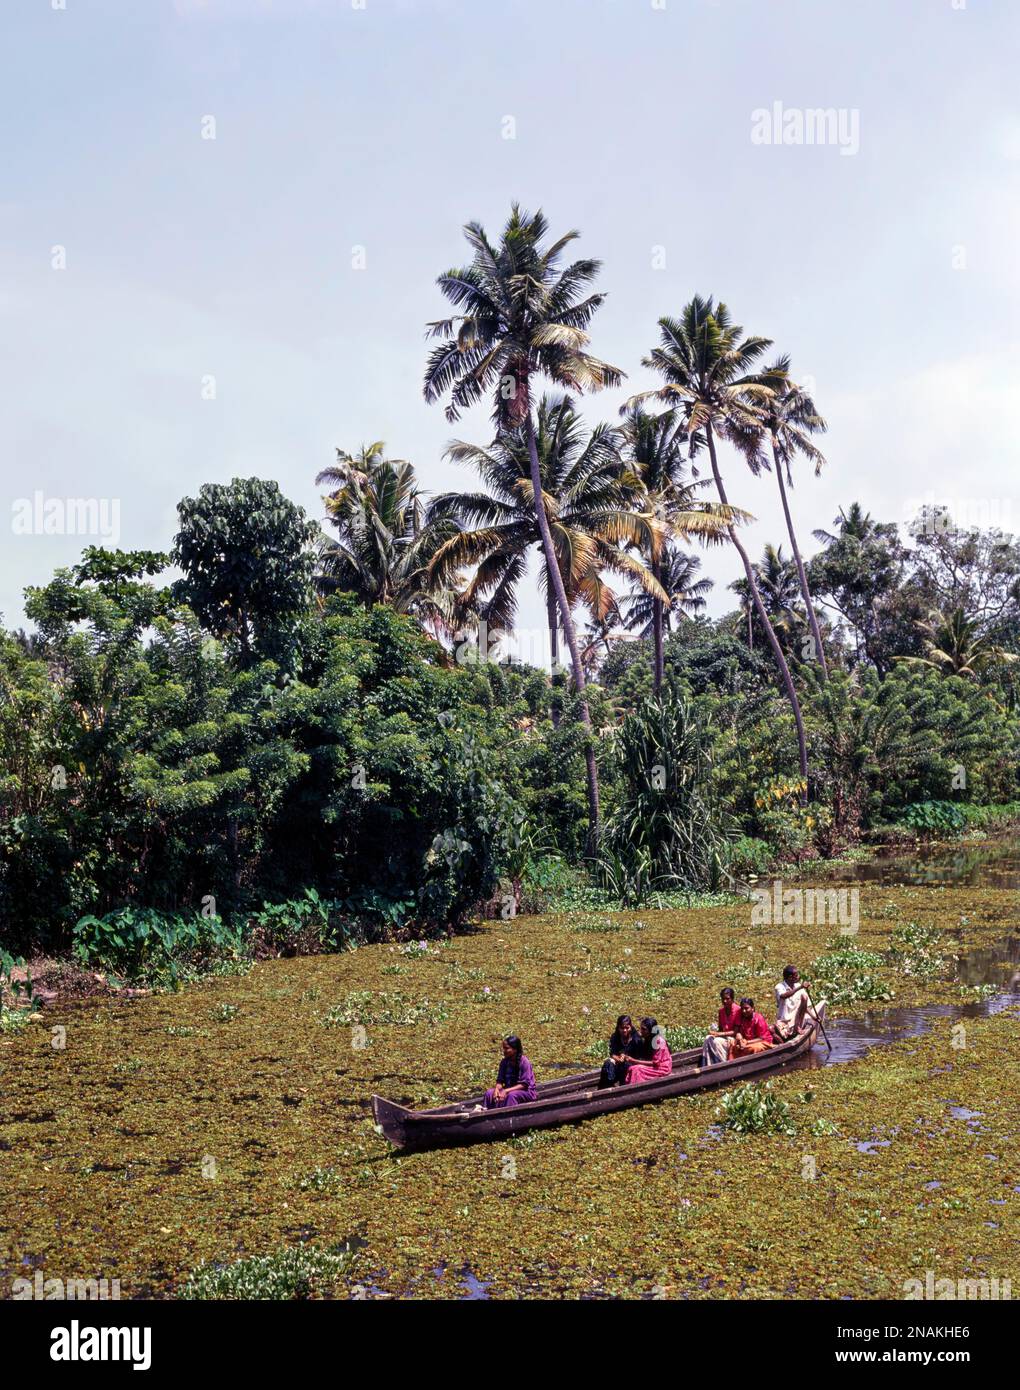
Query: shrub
[[980, 817], [545, 877], [357, 762], [935, 819], [665, 832], [17, 999], [748, 855], [306, 926], [785, 823], [151, 947]]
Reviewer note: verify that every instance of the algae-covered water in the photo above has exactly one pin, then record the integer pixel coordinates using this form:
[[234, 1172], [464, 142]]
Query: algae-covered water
[[232, 1119]]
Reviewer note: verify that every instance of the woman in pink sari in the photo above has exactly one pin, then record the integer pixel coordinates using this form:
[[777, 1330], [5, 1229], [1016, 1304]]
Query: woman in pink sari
[[656, 1060]]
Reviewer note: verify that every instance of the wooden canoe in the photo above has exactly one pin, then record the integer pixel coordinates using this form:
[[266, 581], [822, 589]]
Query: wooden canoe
[[576, 1097]]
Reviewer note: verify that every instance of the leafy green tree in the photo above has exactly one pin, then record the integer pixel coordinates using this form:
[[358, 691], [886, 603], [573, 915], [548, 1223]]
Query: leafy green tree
[[117, 572], [864, 735], [72, 728], [860, 573], [145, 768], [974, 570], [247, 562], [913, 736]]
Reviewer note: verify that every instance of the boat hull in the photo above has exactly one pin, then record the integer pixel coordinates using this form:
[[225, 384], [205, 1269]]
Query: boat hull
[[572, 1099]]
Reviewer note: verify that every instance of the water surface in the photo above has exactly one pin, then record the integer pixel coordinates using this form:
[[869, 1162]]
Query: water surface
[[991, 864]]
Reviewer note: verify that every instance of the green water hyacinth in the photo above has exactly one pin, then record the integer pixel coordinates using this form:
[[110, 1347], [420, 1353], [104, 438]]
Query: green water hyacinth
[[754, 1109], [301, 1272]]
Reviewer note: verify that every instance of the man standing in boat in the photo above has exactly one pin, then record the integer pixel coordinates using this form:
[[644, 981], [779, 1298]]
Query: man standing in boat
[[792, 1005]]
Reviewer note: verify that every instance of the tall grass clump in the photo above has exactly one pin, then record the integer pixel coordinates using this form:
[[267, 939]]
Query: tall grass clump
[[664, 833]]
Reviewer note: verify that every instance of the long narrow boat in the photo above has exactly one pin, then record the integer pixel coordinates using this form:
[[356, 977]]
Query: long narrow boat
[[577, 1097]]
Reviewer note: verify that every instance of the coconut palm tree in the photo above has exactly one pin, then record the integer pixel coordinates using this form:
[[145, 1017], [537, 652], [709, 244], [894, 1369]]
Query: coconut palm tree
[[588, 506], [520, 317], [955, 645], [353, 468], [659, 472], [854, 522], [709, 370], [778, 584], [790, 418], [384, 546], [677, 572], [597, 639]]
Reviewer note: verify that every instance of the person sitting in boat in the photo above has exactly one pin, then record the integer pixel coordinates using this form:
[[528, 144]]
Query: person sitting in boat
[[751, 1031], [792, 1005], [655, 1056], [624, 1047], [515, 1081], [717, 1044]]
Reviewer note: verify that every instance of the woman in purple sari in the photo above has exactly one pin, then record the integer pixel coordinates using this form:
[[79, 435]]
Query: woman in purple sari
[[515, 1082]]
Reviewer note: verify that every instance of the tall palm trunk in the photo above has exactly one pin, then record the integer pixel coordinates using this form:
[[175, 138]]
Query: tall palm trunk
[[567, 621], [759, 607], [660, 660], [805, 591], [554, 652]]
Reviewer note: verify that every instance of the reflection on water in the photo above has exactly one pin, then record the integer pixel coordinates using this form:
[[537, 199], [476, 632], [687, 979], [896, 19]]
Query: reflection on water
[[991, 864], [994, 864], [853, 1037]]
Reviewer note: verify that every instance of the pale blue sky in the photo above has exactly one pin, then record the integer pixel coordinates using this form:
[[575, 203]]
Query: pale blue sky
[[383, 127]]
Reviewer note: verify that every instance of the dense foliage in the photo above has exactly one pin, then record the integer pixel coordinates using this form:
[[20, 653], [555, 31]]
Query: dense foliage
[[163, 773], [155, 769], [309, 737]]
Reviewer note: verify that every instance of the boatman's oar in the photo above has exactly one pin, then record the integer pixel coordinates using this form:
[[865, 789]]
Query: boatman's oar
[[818, 1016]]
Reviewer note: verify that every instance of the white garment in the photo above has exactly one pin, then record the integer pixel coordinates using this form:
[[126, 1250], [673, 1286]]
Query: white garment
[[788, 1000]]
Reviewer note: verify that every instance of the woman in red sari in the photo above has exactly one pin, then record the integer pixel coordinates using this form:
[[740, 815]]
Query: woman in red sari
[[753, 1033], [656, 1060], [717, 1044]]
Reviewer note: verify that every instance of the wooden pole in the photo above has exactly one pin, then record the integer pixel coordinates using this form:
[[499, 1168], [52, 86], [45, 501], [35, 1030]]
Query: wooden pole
[[818, 1016]]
